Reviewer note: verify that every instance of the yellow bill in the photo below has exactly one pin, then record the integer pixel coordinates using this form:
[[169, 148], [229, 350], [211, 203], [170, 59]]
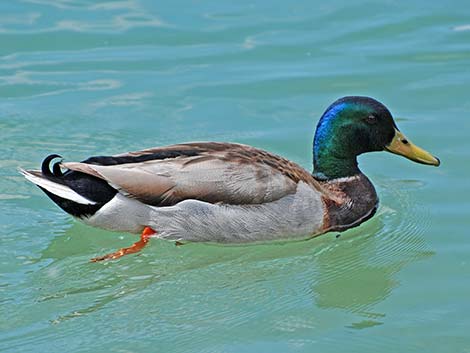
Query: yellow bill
[[404, 147]]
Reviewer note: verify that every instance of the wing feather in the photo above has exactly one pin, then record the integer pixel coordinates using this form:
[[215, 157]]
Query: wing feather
[[211, 172]]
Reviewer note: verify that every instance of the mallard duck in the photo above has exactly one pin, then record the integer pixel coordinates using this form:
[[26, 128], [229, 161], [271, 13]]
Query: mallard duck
[[229, 192]]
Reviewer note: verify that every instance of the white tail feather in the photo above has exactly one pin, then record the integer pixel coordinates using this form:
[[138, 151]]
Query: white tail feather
[[57, 189]]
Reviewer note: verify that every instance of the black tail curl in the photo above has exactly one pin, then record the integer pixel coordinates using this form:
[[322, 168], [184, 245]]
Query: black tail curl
[[88, 186], [45, 166]]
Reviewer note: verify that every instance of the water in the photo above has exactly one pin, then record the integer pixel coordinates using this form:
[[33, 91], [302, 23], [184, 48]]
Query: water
[[82, 77]]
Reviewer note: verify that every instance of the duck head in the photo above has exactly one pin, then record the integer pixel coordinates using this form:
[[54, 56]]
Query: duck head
[[355, 125]]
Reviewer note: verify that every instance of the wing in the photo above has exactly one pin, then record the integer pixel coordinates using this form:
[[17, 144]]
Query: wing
[[207, 171]]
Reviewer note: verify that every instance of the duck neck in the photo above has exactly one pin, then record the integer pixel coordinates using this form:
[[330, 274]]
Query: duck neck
[[334, 152], [327, 166]]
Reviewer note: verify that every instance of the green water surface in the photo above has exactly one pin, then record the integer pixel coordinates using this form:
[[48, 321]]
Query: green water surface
[[83, 77]]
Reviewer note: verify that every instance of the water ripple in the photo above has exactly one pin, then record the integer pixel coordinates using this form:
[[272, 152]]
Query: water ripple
[[369, 257]]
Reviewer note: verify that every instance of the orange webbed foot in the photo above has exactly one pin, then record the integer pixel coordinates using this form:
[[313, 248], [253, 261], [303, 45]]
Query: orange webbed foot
[[136, 247]]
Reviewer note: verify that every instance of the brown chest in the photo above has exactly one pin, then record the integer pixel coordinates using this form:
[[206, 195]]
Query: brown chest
[[348, 202]]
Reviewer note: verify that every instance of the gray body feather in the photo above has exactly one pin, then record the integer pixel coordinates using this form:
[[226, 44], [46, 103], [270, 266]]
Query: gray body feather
[[295, 216]]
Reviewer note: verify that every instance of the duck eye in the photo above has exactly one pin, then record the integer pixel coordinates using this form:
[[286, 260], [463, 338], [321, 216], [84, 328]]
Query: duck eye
[[371, 119]]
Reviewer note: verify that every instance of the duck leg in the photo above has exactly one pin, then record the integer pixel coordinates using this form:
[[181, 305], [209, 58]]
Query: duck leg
[[136, 247]]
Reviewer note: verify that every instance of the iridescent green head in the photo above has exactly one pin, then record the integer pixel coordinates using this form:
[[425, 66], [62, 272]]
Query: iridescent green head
[[355, 125]]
